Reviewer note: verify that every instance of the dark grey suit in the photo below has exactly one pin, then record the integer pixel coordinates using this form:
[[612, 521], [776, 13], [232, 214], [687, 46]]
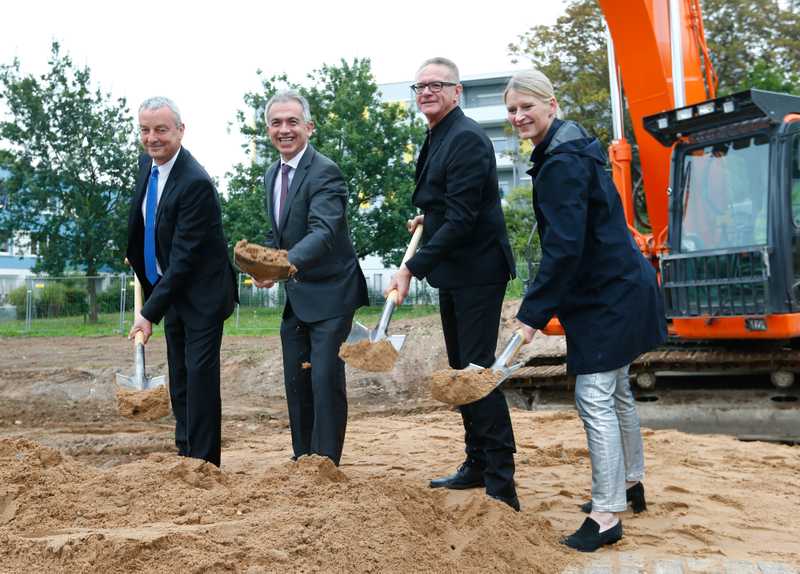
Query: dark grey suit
[[321, 300]]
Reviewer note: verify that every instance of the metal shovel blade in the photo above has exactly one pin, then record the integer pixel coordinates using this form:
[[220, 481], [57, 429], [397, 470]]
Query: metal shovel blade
[[140, 381], [499, 366], [358, 333], [397, 341]]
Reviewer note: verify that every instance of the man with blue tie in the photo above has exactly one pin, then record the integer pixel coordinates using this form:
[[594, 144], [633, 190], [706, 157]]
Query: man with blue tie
[[177, 249]]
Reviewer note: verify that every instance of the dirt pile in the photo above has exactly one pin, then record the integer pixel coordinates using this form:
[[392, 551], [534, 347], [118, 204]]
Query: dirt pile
[[461, 387], [60, 515], [148, 405], [377, 357], [263, 263]]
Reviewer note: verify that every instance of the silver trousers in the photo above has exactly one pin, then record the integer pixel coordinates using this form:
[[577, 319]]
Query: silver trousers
[[608, 411]]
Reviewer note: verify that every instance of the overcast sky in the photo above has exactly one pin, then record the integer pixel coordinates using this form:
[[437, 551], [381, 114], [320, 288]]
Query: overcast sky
[[204, 55]]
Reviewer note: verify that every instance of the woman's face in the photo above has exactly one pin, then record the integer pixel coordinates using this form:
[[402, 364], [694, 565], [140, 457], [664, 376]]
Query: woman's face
[[529, 115]]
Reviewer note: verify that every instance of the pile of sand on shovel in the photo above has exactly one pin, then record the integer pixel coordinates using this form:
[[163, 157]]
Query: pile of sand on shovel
[[461, 387], [262, 263], [378, 357], [148, 405]]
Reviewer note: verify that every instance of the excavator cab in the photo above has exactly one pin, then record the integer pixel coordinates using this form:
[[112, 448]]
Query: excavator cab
[[732, 270]]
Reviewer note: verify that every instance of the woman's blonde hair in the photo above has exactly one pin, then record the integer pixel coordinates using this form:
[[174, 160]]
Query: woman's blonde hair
[[534, 83]]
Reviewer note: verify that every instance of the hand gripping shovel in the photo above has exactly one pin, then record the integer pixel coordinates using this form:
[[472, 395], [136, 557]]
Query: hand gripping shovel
[[374, 350], [475, 382], [139, 381]]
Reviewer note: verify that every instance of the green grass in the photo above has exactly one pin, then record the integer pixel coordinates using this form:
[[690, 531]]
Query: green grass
[[254, 321]]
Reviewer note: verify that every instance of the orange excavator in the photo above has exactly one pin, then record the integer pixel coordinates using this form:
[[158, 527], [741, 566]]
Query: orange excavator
[[721, 178]]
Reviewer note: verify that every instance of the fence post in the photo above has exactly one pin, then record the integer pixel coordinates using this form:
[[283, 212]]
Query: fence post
[[239, 293], [29, 304], [123, 287]]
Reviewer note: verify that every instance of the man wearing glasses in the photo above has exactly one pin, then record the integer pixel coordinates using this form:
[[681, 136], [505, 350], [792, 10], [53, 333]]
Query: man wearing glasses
[[466, 255]]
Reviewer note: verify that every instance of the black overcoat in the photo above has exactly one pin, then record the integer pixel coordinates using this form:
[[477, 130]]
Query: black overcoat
[[592, 275]]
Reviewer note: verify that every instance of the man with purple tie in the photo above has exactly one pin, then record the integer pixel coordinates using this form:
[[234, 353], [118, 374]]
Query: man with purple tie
[[306, 202], [177, 249]]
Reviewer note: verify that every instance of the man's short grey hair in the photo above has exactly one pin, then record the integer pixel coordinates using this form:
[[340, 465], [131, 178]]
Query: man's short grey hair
[[439, 61], [159, 102], [289, 96]]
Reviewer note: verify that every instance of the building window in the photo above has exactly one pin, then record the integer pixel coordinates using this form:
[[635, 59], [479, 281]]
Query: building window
[[480, 96], [500, 145]]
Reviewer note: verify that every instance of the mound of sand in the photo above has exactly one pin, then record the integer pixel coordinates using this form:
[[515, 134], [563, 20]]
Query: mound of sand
[[377, 357], [170, 514], [461, 387], [148, 405]]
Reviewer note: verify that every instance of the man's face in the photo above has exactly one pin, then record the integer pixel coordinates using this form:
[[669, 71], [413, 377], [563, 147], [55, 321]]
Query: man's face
[[288, 130], [160, 134], [436, 105]]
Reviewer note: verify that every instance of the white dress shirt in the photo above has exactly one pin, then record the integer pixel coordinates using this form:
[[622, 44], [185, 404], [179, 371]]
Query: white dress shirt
[[276, 188], [163, 174]]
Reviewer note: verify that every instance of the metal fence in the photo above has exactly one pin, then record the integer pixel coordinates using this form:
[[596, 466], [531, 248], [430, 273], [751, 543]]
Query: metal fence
[[63, 305]]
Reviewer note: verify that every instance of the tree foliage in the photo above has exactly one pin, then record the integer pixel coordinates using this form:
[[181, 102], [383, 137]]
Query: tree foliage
[[754, 43], [72, 160], [373, 143]]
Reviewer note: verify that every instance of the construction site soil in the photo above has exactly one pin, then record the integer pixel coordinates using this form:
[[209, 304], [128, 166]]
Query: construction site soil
[[85, 489]]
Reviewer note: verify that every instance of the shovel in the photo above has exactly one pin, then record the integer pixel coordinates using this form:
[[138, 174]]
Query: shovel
[[468, 385], [139, 381], [360, 333]]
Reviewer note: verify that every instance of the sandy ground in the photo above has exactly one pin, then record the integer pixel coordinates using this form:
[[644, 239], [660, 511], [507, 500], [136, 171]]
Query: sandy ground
[[84, 489]]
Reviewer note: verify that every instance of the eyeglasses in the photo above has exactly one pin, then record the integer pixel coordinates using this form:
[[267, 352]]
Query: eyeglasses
[[434, 87]]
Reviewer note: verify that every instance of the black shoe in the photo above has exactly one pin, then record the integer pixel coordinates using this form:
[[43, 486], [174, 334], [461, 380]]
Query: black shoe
[[634, 495], [467, 476], [512, 501], [588, 537]]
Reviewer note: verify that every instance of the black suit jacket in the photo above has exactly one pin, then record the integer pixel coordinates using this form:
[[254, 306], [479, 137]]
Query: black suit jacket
[[465, 242], [313, 228], [198, 281]]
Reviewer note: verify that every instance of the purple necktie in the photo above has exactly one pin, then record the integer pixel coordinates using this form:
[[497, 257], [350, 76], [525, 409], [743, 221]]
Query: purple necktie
[[284, 189]]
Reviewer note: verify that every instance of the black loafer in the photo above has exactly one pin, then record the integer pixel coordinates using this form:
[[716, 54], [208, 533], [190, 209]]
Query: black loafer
[[634, 495], [588, 537], [467, 476], [512, 501]]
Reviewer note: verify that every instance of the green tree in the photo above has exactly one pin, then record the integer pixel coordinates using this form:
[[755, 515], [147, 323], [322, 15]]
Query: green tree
[[73, 167], [754, 43], [373, 143]]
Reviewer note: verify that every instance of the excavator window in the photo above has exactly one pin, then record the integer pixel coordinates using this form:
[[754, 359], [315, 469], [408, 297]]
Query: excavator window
[[723, 191]]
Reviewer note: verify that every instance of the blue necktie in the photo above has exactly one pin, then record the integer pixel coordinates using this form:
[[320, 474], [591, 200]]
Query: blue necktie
[[150, 269]]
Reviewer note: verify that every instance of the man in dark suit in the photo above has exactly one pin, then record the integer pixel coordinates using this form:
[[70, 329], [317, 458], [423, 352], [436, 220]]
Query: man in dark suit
[[306, 202], [178, 251], [466, 255]]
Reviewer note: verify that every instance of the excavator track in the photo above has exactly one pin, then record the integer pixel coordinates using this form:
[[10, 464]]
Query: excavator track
[[551, 371], [701, 390]]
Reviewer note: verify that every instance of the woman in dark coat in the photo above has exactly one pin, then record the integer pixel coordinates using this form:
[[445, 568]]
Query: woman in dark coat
[[605, 293]]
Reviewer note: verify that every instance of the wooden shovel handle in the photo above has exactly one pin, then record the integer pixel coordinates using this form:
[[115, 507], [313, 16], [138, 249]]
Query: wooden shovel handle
[[137, 307], [410, 250]]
